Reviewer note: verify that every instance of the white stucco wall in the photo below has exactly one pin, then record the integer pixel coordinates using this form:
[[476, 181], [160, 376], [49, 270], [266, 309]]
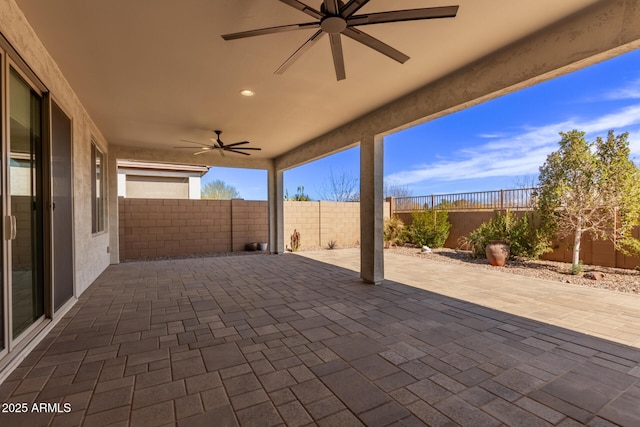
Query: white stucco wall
[[194, 187], [91, 256], [122, 184]]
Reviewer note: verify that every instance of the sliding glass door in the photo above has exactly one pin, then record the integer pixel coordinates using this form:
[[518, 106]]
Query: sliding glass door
[[25, 189], [6, 220]]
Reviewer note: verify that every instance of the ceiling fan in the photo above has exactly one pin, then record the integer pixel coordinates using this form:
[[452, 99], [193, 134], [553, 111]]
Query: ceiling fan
[[220, 146], [335, 18]]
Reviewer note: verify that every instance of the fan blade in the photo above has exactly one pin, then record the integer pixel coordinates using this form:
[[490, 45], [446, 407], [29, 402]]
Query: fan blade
[[236, 143], [243, 148], [194, 142], [352, 7], [302, 49], [404, 15], [270, 30], [338, 57], [239, 152], [331, 6], [201, 152], [303, 8], [375, 44], [216, 143]]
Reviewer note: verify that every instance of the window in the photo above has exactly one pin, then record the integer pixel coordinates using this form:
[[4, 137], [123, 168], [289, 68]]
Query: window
[[97, 189]]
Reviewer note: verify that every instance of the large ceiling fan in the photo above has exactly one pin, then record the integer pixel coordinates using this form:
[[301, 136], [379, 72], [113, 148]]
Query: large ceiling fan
[[336, 18], [220, 146]]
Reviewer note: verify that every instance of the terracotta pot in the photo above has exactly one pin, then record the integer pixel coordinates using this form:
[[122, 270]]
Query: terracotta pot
[[497, 253]]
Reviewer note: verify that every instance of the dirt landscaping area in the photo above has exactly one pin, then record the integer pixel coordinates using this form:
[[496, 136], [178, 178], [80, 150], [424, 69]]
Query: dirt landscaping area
[[615, 279]]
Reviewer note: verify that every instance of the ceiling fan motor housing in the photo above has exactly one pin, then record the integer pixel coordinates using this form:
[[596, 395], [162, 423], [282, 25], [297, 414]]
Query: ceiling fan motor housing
[[333, 24]]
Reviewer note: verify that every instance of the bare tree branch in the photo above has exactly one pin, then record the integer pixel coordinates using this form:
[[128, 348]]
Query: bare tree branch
[[343, 187]]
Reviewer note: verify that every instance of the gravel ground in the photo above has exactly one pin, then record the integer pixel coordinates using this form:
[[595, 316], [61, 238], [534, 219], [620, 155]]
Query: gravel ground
[[615, 279]]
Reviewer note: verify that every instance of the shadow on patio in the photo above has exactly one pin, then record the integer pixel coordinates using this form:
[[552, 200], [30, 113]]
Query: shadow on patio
[[266, 340]]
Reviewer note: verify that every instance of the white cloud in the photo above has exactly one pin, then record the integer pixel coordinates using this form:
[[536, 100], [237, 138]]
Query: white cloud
[[634, 143], [520, 154], [631, 91], [492, 135]]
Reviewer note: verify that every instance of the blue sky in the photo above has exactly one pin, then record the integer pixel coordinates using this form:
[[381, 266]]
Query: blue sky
[[497, 144]]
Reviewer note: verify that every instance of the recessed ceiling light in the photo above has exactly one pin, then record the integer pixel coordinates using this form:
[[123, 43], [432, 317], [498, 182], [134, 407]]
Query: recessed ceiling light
[[247, 92]]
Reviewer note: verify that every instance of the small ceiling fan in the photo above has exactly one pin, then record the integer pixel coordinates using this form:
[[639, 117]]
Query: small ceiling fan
[[220, 146], [335, 18]]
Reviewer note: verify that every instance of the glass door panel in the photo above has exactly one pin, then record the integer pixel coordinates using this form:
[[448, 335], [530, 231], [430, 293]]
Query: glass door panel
[[2, 213], [25, 177]]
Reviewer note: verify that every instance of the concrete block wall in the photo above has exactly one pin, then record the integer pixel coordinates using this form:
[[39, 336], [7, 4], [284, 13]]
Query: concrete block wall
[[305, 218], [339, 222], [593, 252], [249, 223], [322, 221], [151, 228]]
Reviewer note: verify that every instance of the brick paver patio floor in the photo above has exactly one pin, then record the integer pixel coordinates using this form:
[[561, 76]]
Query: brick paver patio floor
[[272, 340]]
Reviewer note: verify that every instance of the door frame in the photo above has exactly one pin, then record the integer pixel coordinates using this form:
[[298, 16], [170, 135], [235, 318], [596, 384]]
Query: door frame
[[10, 60], [49, 182]]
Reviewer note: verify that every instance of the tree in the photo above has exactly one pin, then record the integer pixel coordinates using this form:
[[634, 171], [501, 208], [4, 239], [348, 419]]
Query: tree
[[621, 177], [299, 196], [525, 181], [396, 190], [218, 189], [586, 191], [341, 187]]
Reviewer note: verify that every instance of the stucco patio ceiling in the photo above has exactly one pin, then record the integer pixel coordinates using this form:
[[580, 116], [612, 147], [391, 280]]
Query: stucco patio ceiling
[[151, 72]]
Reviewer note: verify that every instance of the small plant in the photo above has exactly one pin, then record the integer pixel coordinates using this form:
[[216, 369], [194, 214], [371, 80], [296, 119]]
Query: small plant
[[429, 227], [577, 268], [332, 244], [395, 233], [295, 241]]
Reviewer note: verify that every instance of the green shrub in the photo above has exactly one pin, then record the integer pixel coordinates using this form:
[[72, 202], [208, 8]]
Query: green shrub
[[577, 269], [523, 237], [494, 229], [429, 227], [395, 232], [526, 238]]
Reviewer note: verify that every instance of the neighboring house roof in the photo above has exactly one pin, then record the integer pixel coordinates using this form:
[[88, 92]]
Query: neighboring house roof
[[162, 168]]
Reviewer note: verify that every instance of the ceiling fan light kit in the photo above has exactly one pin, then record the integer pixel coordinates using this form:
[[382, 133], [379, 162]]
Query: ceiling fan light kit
[[337, 18]]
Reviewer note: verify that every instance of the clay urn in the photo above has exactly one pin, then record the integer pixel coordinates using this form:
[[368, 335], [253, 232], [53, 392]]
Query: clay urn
[[497, 253]]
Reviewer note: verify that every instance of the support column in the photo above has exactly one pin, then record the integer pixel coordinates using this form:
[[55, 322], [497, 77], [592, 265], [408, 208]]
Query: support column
[[276, 210], [113, 215], [371, 210]]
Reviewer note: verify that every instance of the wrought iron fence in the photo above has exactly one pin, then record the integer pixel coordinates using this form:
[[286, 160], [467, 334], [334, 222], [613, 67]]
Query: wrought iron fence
[[516, 199]]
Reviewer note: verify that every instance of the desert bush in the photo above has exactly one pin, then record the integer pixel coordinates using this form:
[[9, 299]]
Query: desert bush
[[295, 241], [395, 232], [429, 228], [523, 237]]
